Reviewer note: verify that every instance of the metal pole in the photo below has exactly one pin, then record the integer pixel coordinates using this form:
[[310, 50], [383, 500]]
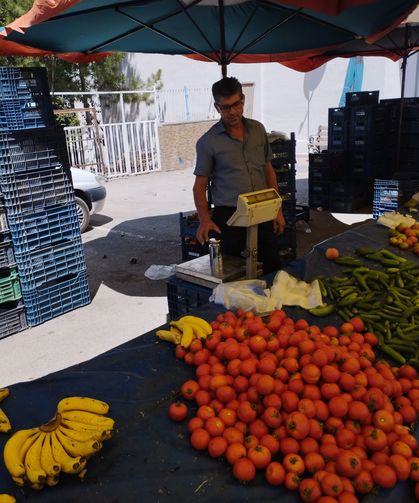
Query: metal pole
[[403, 68], [251, 252], [223, 58]]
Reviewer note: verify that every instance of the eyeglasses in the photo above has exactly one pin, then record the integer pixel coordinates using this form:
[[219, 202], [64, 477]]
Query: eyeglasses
[[226, 108]]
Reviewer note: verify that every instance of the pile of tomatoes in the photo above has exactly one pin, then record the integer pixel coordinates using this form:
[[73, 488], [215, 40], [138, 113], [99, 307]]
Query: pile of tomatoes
[[313, 408]]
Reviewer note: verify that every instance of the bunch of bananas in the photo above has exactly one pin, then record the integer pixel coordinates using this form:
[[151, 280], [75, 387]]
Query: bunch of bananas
[[5, 426], [185, 330], [36, 456]]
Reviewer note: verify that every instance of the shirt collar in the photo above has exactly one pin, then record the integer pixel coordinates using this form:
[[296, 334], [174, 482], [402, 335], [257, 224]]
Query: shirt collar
[[219, 126]]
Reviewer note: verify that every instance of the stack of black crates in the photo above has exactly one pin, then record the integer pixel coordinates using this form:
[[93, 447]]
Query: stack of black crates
[[362, 146], [283, 162], [36, 185]]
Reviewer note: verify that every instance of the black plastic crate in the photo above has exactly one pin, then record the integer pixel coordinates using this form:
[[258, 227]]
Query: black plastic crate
[[184, 297], [302, 212], [12, 319], [288, 239], [280, 167], [32, 231], [191, 248], [33, 191], [32, 150], [7, 257], [286, 181], [289, 211], [318, 200], [362, 98], [341, 205], [350, 189], [46, 265], [188, 224], [337, 128], [55, 298], [284, 150], [287, 255]]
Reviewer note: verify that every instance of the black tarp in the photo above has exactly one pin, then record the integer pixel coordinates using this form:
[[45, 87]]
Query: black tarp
[[149, 459]]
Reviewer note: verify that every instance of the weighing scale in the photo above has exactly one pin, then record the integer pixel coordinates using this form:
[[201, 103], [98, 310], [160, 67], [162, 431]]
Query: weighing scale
[[253, 208]]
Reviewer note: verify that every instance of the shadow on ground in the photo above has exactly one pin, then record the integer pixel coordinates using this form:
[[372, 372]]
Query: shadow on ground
[[120, 259]]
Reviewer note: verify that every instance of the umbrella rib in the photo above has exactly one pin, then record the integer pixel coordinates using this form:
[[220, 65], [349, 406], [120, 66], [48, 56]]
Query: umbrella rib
[[243, 29], [192, 20], [265, 33], [153, 29]]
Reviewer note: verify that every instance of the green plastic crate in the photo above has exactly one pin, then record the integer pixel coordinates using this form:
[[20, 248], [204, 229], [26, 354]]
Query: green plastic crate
[[10, 287]]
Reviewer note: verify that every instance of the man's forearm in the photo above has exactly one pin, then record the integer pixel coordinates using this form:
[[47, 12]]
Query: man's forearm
[[201, 204], [270, 176]]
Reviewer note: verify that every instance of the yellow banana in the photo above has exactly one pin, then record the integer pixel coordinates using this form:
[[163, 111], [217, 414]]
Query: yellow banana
[[96, 420], [52, 481], [6, 498], [5, 425], [177, 333], [48, 463], [34, 472], [187, 336], [4, 393], [197, 321], [15, 451], [69, 464], [198, 331], [81, 436], [166, 335], [83, 427], [75, 448], [83, 403]]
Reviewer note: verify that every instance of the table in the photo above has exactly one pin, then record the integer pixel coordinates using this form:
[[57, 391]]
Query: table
[[149, 459]]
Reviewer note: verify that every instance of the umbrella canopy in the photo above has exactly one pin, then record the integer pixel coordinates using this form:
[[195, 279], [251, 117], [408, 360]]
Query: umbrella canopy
[[219, 30]]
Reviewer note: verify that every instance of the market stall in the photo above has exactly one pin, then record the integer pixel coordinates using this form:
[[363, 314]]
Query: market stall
[[150, 458]]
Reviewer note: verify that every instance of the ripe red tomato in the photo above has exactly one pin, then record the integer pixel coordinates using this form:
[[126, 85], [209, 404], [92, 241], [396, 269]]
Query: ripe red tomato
[[178, 411]]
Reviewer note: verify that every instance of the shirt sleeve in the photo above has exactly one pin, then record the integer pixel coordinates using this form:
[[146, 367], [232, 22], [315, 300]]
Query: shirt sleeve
[[204, 159]]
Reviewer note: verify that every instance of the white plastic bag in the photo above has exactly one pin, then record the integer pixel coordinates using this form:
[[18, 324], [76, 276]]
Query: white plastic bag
[[160, 271], [289, 291], [250, 295]]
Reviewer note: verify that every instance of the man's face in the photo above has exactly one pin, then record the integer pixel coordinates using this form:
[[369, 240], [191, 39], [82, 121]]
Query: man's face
[[230, 109]]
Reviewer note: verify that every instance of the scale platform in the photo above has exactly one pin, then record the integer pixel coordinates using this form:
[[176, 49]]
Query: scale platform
[[198, 271]]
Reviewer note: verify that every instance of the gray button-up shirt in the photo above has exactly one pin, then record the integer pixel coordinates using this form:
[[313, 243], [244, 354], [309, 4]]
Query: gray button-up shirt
[[233, 167]]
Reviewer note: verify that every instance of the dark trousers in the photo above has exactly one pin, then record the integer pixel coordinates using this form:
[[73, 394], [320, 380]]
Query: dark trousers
[[233, 239]]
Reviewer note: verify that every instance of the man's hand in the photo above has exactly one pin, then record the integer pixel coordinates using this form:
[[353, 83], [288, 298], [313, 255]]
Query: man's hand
[[204, 229], [279, 223]]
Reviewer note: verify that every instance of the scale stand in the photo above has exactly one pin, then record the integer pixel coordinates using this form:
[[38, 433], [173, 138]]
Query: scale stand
[[254, 208]]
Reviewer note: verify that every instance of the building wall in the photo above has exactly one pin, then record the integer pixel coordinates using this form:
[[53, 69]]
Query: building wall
[[177, 143]]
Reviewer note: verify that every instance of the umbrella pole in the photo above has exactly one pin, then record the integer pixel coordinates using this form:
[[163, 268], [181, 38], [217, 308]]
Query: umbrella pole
[[403, 68], [222, 39]]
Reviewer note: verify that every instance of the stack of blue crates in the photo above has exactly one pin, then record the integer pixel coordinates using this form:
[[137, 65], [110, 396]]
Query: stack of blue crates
[[36, 184]]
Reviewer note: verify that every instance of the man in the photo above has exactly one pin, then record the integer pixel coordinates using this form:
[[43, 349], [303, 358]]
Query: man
[[234, 156]]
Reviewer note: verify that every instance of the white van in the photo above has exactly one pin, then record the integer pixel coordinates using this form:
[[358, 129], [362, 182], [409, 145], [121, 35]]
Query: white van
[[90, 194]]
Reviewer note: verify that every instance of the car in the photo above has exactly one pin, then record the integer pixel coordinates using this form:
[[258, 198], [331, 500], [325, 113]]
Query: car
[[90, 194]]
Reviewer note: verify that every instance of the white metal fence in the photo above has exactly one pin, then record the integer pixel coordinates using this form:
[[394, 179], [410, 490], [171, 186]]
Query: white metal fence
[[112, 150], [186, 105]]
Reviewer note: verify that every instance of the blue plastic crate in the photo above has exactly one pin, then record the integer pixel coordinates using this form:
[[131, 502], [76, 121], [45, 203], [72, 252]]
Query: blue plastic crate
[[36, 190], [31, 150], [52, 300], [12, 319], [25, 101], [386, 197], [53, 225], [47, 264], [22, 114]]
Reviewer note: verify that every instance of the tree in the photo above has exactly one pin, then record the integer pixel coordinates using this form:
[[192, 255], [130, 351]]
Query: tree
[[105, 75]]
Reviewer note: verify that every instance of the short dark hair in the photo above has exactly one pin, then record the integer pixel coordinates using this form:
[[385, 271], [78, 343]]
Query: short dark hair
[[226, 87]]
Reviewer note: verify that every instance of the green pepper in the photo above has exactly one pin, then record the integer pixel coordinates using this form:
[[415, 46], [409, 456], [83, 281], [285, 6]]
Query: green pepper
[[323, 310], [393, 354]]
